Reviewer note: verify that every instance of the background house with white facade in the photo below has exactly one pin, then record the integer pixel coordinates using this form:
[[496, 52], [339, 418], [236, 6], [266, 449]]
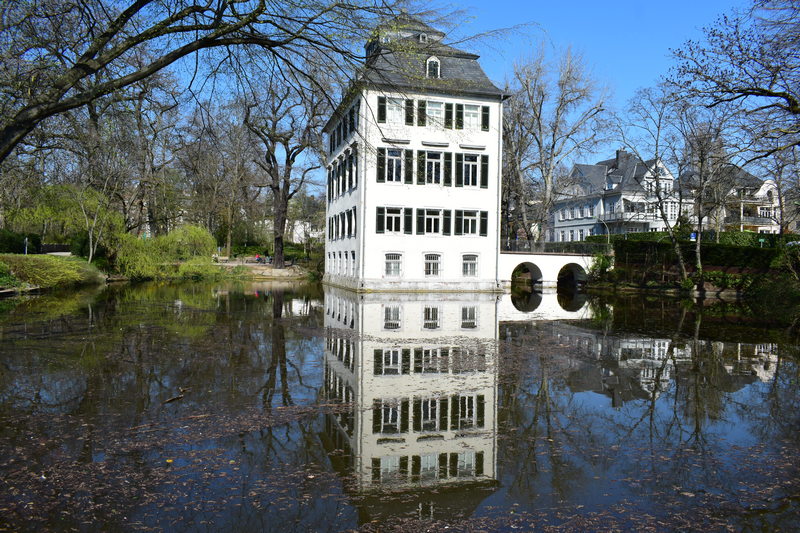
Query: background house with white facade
[[413, 182], [619, 195]]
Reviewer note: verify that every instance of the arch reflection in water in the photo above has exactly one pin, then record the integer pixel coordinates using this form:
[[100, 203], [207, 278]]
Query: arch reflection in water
[[418, 377]]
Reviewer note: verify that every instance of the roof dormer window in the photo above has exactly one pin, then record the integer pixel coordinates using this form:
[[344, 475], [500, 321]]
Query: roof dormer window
[[423, 37], [432, 68]]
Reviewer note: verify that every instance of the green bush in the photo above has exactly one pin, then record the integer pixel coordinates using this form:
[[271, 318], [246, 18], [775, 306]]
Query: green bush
[[200, 268], [14, 243], [186, 242], [48, 271], [6, 279]]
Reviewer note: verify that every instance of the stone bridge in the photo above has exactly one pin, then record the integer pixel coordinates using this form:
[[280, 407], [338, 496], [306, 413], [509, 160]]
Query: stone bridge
[[547, 264]]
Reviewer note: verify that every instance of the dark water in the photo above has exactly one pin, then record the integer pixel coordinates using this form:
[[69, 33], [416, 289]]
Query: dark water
[[268, 407]]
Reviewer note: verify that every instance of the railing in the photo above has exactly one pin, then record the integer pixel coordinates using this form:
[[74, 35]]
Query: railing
[[760, 221], [537, 247], [629, 216]]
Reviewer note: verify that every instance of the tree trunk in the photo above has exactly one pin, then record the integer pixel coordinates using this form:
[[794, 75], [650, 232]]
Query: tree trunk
[[278, 229]]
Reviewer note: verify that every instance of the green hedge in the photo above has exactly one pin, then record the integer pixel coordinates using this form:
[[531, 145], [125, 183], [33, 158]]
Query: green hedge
[[14, 243], [719, 255], [731, 238]]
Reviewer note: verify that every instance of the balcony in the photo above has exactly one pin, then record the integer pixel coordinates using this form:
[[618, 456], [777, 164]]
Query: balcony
[[629, 216], [750, 221]]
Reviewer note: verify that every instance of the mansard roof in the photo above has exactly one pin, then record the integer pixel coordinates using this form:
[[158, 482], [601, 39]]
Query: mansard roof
[[626, 171], [397, 58]]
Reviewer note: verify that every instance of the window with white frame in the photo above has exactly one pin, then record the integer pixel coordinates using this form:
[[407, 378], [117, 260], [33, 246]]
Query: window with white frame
[[571, 235], [434, 113], [395, 111], [433, 361], [429, 467], [472, 117], [580, 234], [433, 221], [393, 265], [393, 220], [469, 265], [429, 419], [433, 68], [765, 211], [469, 224], [353, 256], [391, 317], [581, 212], [563, 239], [469, 317], [433, 167], [391, 361], [466, 464], [430, 317], [390, 418], [394, 165], [467, 412], [470, 170], [591, 210], [572, 212], [433, 264], [562, 214]]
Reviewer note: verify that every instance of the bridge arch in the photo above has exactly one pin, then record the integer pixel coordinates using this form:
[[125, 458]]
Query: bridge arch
[[572, 275], [526, 274]]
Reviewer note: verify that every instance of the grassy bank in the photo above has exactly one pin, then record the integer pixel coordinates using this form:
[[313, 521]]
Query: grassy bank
[[46, 271]]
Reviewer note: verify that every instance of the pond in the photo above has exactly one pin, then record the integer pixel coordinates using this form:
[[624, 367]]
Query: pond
[[285, 407]]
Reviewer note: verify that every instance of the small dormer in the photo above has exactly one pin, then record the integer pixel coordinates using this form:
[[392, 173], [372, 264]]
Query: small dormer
[[423, 38], [433, 68]]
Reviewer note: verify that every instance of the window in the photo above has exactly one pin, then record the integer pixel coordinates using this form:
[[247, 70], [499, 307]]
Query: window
[[434, 112], [353, 256], [429, 467], [390, 421], [571, 235], [466, 412], [469, 317], [430, 360], [580, 234], [432, 265], [430, 317], [572, 213], [391, 317], [394, 166], [469, 222], [469, 266], [429, 420], [563, 239], [392, 220], [472, 117], [433, 167], [393, 263], [591, 210], [466, 464], [433, 68], [391, 361], [765, 212], [582, 212], [432, 220], [562, 214], [470, 170], [395, 110]]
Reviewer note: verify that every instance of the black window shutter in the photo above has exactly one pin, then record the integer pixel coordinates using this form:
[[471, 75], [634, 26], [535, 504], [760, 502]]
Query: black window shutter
[[443, 414], [459, 170], [421, 108], [381, 109], [408, 170], [421, 167], [459, 116], [453, 464], [376, 469], [448, 116], [378, 362], [417, 360], [448, 169], [484, 223], [380, 213], [381, 165], [480, 410], [485, 118], [420, 221], [404, 416], [404, 466], [479, 464], [446, 222], [454, 410], [417, 424], [484, 172], [405, 364], [459, 222], [442, 465], [408, 220], [416, 467], [376, 416], [409, 112], [355, 169]]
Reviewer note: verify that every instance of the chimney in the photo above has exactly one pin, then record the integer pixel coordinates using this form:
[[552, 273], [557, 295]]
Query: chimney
[[622, 155]]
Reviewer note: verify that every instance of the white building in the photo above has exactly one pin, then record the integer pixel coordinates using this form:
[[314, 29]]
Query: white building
[[413, 185], [619, 195]]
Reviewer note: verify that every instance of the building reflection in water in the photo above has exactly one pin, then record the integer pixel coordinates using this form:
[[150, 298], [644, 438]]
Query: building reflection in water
[[416, 379]]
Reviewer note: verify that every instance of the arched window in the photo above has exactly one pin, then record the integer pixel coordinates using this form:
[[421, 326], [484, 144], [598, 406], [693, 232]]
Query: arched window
[[432, 69]]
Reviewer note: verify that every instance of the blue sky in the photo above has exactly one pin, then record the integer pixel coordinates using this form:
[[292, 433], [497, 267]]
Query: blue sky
[[624, 43]]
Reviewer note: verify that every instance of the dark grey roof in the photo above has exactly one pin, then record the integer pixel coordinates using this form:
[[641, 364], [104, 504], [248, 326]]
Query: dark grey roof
[[625, 170], [731, 177]]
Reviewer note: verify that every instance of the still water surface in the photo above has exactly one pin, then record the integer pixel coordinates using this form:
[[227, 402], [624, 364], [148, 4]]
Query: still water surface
[[275, 407]]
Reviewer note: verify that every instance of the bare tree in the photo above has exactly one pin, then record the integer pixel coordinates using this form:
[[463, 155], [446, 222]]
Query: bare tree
[[60, 55], [286, 117], [750, 59], [554, 115]]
